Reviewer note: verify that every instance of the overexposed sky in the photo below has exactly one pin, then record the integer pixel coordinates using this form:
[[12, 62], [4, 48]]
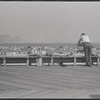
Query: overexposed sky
[[50, 22]]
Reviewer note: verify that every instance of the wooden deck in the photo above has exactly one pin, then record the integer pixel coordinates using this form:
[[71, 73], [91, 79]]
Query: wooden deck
[[49, 82]]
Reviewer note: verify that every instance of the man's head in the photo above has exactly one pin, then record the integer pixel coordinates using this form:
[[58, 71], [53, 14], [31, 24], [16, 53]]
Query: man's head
[[83, 34]]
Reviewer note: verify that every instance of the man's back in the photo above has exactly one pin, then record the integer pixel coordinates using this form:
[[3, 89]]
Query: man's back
[[85, 38]]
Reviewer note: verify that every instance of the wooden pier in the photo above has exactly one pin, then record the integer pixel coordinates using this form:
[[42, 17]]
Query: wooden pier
[[49, 82]]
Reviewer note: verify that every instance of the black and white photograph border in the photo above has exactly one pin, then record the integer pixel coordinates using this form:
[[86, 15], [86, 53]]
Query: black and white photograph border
[[39, 56]]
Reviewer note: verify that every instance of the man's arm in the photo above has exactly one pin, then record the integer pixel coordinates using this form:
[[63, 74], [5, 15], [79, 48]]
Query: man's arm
[[79, 42]]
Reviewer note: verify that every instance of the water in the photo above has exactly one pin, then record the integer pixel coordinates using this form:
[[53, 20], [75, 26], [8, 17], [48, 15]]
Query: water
[[96, 45], [38, 44]]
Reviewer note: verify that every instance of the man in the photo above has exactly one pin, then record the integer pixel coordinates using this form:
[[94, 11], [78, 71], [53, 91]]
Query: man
[[85, 42]]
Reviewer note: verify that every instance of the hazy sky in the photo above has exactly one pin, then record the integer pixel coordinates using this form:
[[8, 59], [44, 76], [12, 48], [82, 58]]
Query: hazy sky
[[50, 21]]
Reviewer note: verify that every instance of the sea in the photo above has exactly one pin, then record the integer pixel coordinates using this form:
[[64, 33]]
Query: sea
[[96, 45]]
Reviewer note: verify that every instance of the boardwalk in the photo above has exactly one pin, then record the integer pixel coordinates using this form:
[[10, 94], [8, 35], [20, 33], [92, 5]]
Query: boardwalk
[[49, 82]]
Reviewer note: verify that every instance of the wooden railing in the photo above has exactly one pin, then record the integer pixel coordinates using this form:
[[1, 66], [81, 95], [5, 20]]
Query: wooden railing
[[46, 59], [29, 59]]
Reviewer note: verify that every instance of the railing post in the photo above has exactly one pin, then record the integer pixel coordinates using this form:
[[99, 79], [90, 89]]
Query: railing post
[[4, 59], [39, 61], [74, 61], [52, 63], [28, 60], [98, 61]]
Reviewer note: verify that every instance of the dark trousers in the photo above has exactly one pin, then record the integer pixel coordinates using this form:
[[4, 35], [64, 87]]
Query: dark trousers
[[87, 51]]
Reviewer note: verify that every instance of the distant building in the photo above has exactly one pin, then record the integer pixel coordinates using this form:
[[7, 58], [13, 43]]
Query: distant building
[[8, 39], [4, 38]]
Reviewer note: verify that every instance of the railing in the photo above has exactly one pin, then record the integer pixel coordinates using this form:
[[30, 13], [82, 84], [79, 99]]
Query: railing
[[46, 59], [51, 60]]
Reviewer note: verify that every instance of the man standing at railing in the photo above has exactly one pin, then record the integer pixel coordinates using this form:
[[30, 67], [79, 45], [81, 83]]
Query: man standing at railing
[[85, 42]]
